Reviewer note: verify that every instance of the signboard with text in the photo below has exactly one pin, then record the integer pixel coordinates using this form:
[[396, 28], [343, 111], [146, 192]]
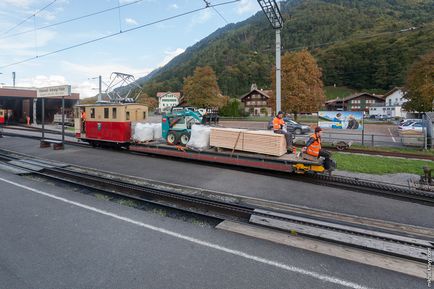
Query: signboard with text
[[54, 91], [341, 119]]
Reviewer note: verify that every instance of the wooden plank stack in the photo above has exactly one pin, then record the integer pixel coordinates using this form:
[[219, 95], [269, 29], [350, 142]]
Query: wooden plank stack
[[261, 142]]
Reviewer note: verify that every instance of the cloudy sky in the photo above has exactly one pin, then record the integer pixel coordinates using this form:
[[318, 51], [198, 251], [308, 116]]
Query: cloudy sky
[[24, 36]]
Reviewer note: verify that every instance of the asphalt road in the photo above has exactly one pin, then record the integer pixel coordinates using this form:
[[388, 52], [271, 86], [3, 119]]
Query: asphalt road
[[233, 181], [53, 237]]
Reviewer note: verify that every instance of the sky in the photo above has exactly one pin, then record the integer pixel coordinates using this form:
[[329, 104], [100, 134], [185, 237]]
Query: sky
[[136, 52]]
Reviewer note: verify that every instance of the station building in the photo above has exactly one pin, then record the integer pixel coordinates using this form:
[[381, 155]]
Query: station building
[[22, 102]]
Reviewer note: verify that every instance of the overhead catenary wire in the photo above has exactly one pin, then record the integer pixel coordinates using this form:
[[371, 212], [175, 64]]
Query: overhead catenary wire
[[208, 4], [27, 18], [72, 19], [118, 33]]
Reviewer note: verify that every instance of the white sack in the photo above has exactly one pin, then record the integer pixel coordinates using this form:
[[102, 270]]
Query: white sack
[[158, 131], [199, 139], [143, 132]]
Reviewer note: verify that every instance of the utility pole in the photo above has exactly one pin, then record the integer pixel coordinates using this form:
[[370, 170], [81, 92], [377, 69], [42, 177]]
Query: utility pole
[[272, 11], [99, 87], [13, 78]]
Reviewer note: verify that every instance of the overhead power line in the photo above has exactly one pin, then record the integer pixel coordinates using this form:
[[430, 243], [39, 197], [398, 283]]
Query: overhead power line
[[27, 18], [120, 32], [73, 19]]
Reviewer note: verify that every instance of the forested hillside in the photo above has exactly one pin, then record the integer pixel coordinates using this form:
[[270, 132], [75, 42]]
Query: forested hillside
[[358, 43]]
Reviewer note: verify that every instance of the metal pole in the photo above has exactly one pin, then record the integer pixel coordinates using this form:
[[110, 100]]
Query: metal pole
[[278, 72], [34, 110], [43, 118], [100, 88], [13, 78], [63, 119]]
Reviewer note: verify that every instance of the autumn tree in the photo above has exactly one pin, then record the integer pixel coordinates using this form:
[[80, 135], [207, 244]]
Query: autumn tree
[[419, 85], [202, 90], [145, 99], [302, 87]]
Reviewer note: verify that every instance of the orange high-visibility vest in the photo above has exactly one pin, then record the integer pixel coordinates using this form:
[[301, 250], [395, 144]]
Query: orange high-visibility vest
[[315, 147], [277, 123], [83, 115]]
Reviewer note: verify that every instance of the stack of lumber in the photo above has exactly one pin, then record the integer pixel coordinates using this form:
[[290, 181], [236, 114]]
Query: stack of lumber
[[261, 142]]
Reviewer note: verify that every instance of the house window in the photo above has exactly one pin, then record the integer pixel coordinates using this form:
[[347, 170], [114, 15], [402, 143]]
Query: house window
[[92, 113], [106, 112], [114, 112]]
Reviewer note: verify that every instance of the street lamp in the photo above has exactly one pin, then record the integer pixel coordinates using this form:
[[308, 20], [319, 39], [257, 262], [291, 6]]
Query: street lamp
[[272, 11]]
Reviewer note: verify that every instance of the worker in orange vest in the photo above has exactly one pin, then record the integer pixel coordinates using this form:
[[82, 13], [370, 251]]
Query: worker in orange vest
[[313, 148], [83, 120], [278, 127]]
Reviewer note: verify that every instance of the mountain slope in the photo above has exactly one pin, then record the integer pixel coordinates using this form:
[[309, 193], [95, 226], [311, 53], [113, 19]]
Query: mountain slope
[[358, 43]]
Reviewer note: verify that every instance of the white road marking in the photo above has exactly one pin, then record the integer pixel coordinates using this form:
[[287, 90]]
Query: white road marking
[[391, 134], [279, 265]]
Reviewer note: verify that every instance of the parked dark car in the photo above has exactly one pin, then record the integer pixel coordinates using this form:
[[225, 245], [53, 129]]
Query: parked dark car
[[295, 127], [292, 126]]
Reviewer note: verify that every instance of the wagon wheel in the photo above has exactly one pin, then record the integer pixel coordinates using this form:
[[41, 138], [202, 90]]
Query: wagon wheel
[[340, 146]]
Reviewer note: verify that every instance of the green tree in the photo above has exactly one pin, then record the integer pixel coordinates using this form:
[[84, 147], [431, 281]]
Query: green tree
[[202, 90], [302, 87], [232, 108], [419, 85]]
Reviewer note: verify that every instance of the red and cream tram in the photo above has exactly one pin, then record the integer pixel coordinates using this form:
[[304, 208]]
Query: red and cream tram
[[110, 123]]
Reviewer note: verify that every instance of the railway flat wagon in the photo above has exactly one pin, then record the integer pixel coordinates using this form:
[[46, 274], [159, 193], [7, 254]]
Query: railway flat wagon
[[108, 123]]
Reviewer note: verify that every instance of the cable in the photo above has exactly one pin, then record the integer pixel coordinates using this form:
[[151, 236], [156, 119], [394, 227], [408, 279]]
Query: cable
[[208, 4], [72, 19], [117, 33], [224, 19], [34, 14]]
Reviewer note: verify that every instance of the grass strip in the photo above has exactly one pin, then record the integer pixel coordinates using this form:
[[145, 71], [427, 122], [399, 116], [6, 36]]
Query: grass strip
[[379, 165]]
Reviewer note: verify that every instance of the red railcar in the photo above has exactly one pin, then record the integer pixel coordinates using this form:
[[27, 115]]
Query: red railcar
[[2, 116], [111, 123]]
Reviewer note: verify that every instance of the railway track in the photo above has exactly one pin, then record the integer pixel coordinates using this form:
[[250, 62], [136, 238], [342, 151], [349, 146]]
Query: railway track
[[349, 150], [391, 243], [347, 183]]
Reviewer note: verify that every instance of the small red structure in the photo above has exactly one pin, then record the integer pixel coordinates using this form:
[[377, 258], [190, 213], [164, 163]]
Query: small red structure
[[109, 122]]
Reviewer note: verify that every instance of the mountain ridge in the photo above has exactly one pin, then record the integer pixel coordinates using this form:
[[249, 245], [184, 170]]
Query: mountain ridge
[[359, 44]]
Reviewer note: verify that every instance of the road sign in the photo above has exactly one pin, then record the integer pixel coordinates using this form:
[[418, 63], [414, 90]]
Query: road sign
[[54, 91]]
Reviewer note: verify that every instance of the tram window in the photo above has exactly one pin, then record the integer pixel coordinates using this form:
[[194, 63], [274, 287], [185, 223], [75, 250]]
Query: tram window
[[106, 112], [92, 113], [144, 115], [114, 112], [128, 115], [1, 112]]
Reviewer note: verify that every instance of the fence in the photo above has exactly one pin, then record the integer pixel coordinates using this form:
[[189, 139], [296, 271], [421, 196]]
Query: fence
[[410, 139]]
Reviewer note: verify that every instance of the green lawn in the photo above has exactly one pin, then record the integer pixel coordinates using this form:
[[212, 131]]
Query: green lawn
[[379, 165], [415, 151], [332, 92]]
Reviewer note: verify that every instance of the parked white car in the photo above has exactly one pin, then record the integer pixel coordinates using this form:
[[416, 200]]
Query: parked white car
[[414, 126]]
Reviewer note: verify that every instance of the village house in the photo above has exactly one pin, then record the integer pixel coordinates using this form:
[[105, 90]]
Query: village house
[[257, 101], [392, 106], [166, 100], [356, 102]]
